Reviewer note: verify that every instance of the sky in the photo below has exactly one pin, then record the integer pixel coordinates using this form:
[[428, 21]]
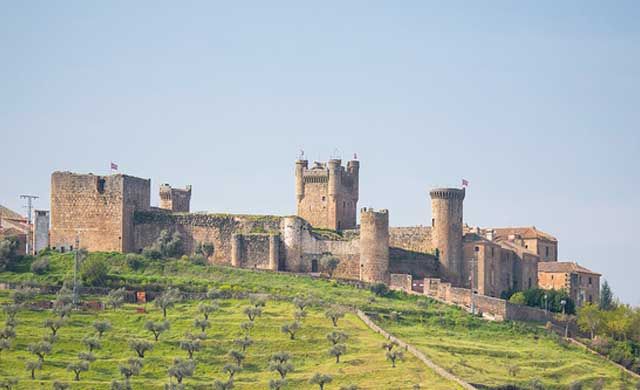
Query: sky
[[535, 103]]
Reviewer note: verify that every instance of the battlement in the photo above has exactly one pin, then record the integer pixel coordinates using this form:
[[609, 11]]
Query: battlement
[[327, 193], [175, 199], [447, 193]]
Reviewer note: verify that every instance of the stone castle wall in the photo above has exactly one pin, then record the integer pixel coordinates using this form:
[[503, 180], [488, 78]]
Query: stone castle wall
[[255, 250], [413, 238], [217, 229], [374, 245]]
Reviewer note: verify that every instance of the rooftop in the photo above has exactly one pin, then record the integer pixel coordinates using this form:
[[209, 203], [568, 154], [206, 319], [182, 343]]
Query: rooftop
[[564, 267], [526, 232]]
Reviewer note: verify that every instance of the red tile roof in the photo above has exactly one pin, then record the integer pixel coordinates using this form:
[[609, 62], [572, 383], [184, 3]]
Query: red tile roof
[[563, 267]]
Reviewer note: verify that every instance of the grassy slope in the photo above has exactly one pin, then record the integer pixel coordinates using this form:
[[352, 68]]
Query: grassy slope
[[478, 351], [309, 350]]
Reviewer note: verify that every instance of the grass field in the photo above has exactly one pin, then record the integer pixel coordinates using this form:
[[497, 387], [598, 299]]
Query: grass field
[[364, 363], [493, 354], [481, 352]]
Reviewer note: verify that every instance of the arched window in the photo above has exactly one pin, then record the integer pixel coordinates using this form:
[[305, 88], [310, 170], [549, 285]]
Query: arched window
[[314, 265]]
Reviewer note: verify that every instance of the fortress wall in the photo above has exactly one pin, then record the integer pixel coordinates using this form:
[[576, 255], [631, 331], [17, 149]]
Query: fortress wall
[[254, 251], [400, 281], [217, 229], [347, 251], [413, 238], [419, 265]]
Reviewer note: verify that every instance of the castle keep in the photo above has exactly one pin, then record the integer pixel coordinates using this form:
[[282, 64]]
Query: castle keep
[[113, 213]]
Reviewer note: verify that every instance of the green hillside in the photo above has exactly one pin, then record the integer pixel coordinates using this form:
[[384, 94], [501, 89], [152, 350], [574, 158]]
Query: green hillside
[[490, 355]]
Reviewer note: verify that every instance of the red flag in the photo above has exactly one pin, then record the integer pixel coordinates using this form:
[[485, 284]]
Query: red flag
[[114, 166], [465, 183]]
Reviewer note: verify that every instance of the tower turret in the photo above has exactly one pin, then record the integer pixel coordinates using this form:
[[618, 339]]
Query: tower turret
[[327, 193], [374, 246], [446, 212], [175, 199]]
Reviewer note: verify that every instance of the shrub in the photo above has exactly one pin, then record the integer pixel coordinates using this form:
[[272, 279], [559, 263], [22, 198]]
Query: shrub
[[379, 289], [134, 261], [40, 266], [198, 259], [518, 298], [94, 271], [8, 247]]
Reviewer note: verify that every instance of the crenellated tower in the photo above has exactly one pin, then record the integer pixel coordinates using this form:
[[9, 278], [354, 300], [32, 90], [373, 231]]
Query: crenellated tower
[[374, 246], [446, 212], [327, 193], [175, 199]]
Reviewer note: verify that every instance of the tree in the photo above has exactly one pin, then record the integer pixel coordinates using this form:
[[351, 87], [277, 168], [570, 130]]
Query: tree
[[518, 298], [291, 329], [101, 326], [4, 345], [394, 355], [589, 319], [54, 325], [40, 266], [243, 342], [220, 385], [334, 314], [606, 297], [252, 312], [258, 301], [7, 333], [60, 385], [115, 298], [140, 346], [11, 310], [514, 370], [205, 248], [40, 349], [320, 380], [87, 356], [8, 248], [167, 300], [77, 368], [32, 366], [157, 328], [166, 245], [277, 384], [390, 345], [337, 337], [133, 367], [94, 271], [379, 289], [182, 369], [231, 370], [92, 343], [8, 383], [355, 387], [207, 309], [237, 357], [280, 362], [190, 346], [64, 302], [338, 350], [330, 264], [202, 324], [301, 302], [246, 327], [23, 295]]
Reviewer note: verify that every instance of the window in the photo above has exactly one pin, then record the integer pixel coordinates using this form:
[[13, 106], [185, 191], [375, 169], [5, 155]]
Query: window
[[551, 277], [529, 282], [590, 298], [344, 204], [477, 249], [546, 251], [433, 222], [71, 248], [100, 185], [314, 265], [492, 248], [323, 198], [590, 281]]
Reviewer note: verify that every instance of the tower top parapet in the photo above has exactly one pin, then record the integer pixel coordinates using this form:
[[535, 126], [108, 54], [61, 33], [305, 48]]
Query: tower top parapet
[[447, 193]]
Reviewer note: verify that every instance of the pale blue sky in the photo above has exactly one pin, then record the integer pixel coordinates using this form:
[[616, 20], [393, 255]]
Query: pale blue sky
[[535, 103]]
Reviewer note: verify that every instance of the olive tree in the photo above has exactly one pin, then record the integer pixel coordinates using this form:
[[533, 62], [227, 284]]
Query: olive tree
[[115, 298], [101, 326], [237, 357], [291, 329], [77, 368], [190, 346], [157, 328], [167, 300], [334, 314], [32, 366], [40, 349], [182, 369], [337, 350], [243, 342], [320, 380], [140, 346], [280, 362]]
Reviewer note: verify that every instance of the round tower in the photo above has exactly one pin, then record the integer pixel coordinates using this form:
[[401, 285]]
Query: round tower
[[374, 246], [446, 236], [291, 228], [335, 178]]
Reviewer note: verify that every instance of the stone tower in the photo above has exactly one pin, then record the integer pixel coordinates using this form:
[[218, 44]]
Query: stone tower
[[446, 212], [327, 193], [374, 246], [175, 199]]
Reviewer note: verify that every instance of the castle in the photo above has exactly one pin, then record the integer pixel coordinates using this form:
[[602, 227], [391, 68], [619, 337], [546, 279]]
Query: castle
[[113, 213]]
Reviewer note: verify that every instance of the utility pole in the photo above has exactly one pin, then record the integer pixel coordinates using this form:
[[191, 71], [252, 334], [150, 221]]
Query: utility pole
[[29, 207], [76, 260], [473, 261]]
